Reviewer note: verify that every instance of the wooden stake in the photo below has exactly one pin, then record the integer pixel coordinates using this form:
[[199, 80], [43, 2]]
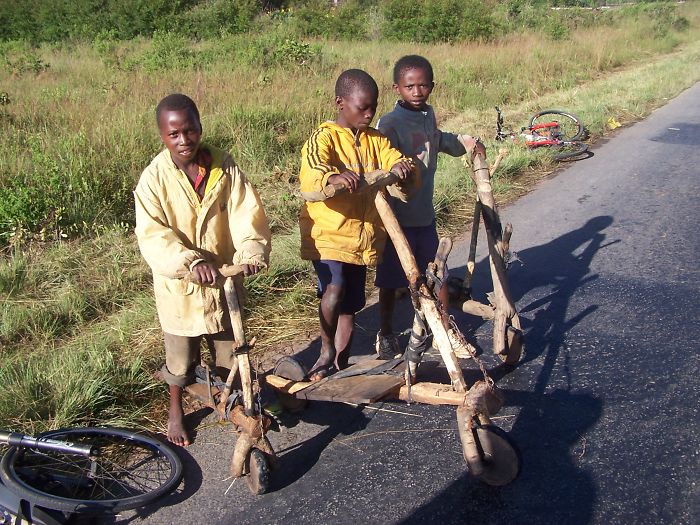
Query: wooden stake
[[428, 306], [243, 364], [505, 309]]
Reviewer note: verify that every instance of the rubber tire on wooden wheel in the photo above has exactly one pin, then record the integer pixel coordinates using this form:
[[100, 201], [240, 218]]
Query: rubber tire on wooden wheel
[[258, 472], [289, 368], [501, 457], [514, 341]]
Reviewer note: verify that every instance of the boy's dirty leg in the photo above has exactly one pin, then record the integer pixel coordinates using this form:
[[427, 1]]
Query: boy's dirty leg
[[328, 313], [343, 339], [176, 418]]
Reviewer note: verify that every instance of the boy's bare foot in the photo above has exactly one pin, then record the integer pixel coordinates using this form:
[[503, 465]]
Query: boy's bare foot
[[324, 366], [176, 428]]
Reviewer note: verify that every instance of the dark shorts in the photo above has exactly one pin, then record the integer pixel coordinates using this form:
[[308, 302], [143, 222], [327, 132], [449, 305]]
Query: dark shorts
[[423, 241], [350, 277]]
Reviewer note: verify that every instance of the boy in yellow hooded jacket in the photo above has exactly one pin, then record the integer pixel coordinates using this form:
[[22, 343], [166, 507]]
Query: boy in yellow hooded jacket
[[195, 211], [344, 235]]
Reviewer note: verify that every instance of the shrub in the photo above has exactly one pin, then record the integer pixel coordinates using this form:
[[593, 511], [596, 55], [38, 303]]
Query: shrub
[[347, 21], [438, 20], [19, 57], [168, 51], [557, 30], [214, 18], [292, 51]]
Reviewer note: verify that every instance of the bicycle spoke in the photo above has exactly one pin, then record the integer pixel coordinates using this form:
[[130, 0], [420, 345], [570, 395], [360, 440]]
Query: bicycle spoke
[[128, 471]]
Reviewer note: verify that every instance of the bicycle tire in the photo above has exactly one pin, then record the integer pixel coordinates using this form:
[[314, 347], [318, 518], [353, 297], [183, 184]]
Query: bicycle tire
[[569, 151], [571, 127], [132, 470]]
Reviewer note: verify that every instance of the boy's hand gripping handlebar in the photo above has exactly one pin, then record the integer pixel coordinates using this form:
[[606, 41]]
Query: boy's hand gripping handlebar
[[225, 271], [373, 180]]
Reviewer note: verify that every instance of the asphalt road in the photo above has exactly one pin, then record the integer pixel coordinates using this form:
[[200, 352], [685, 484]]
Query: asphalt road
[[603, 406]]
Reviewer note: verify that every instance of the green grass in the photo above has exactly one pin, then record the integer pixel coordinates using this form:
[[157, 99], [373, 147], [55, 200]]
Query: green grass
[[79, 338]]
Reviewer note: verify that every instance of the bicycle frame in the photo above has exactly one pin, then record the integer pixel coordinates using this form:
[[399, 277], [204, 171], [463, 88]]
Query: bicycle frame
[[543, 134]]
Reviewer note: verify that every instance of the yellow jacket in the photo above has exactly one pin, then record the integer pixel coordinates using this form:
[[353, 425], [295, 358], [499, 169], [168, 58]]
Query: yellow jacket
[[175, 231], [346, 228]]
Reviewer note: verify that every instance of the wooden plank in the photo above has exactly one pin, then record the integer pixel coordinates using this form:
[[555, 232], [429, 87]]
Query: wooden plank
[[286, 385], [355, 389], [200, 392], [432, 394]]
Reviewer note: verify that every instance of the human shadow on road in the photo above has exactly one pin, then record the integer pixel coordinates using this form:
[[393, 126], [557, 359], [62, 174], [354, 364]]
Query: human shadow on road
[[551, 488], [550, 425], [560, 266]]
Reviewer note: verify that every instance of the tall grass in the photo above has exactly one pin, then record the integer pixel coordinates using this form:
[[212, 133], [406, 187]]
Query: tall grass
[[79, 339]]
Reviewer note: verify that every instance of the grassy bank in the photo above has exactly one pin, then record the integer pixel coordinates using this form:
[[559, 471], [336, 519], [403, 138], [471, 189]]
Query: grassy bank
[[78, 331]]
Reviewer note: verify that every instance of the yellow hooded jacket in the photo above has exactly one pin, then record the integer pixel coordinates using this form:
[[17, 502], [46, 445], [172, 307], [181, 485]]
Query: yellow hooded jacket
[[346, 228], [175, 231]]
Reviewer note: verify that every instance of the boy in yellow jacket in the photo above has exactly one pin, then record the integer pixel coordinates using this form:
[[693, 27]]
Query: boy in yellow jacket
[[195, 211], [344, 235]]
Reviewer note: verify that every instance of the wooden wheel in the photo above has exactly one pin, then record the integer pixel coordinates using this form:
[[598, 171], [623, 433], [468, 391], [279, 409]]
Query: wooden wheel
[[500, 458], [289, 368], [258, 472]]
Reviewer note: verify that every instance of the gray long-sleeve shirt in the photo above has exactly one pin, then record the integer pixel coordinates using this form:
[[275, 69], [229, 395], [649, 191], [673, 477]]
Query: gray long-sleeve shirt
[[415, 133]]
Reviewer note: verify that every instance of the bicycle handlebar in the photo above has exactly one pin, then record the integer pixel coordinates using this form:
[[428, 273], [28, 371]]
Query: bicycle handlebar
[[16, 439]]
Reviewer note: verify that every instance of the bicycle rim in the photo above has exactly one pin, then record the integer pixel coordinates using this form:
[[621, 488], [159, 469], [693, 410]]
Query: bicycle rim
[[131, 470], [570, 126], [569, 151]]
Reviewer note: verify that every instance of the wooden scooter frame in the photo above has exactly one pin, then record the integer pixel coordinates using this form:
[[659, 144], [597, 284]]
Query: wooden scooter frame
[[488, 453], [507, 331], [248, 419]]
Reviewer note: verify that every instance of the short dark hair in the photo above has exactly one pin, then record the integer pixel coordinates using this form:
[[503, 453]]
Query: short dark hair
[[352, 80], [407, 62], [176, 102]]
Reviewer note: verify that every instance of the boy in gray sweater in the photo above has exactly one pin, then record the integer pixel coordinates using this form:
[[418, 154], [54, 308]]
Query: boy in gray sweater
[[412, 128]]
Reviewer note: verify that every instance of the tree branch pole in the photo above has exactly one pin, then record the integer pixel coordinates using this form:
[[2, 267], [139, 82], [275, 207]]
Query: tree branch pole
[[505, 309], [428, 306]]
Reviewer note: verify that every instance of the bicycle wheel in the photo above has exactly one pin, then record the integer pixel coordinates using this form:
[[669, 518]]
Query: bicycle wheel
[[130, 470], [569, 150], [570, 126]]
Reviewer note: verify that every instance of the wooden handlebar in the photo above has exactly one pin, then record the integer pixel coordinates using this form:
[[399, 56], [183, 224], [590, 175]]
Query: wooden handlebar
[[372, 180], [227, 270]]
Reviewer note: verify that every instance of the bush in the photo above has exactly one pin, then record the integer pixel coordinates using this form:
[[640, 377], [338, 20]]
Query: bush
[[215, 18], [168, 51], [57, 20], [347, 21], [19, 57], [557, 30], [438, 21]]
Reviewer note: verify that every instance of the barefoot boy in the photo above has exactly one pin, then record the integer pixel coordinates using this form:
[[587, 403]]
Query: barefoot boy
[[344, 235], [412, 128], [195, 211]]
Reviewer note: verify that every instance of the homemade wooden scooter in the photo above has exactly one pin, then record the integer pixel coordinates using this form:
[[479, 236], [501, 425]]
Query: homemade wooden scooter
[[507, 331], [489, 453], [253, 454]]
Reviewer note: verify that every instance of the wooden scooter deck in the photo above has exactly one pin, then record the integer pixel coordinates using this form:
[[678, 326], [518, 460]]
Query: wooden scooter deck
[[358, 389]]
